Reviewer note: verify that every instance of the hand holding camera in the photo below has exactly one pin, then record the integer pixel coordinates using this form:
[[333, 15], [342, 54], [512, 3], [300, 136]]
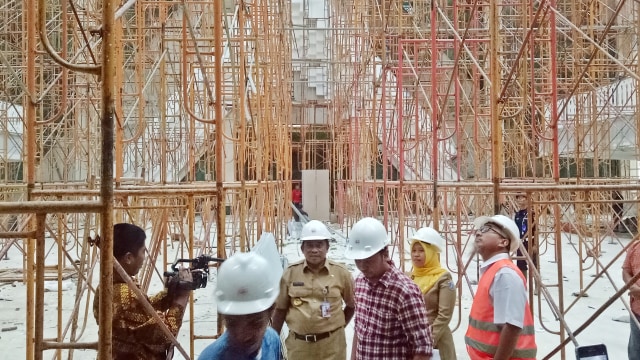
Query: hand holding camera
[[195, 278], [179, 286]]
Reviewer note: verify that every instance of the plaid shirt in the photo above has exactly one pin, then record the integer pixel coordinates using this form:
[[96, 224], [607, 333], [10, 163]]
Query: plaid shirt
[[390, 319]]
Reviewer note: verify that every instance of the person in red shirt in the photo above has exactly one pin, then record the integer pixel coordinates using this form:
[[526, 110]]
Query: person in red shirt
[[296, 199], [630, 267], [296, 196]]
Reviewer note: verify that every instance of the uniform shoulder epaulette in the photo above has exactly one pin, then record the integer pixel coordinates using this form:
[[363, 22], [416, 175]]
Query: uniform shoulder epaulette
[[299, 262], [342, 265]]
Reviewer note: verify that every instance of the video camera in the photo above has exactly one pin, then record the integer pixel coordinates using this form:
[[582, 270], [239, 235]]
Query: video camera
[[199, 272]]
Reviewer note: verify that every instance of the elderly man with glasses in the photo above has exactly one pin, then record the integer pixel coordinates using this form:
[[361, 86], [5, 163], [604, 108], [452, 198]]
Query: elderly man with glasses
[[500, 323]]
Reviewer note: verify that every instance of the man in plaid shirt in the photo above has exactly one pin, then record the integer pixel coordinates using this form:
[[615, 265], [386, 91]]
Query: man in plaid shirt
[[390, 319]]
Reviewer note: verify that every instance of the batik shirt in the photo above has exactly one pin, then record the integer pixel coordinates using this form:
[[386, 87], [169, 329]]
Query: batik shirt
[[390, 318], [136, 334]]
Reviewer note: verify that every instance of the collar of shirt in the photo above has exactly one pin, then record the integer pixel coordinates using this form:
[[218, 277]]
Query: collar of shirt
[[491, 260], [324, 267], [387, 279]]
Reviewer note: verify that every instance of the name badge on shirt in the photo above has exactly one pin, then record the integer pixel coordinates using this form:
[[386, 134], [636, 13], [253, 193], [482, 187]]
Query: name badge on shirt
[[325, 308]]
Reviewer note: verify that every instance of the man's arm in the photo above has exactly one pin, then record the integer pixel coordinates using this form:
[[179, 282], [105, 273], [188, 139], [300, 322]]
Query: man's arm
[[354, 345], [278, 319], [282, 303], [628, 272], [634, 290], [508, 338], [173, 295], [146, 329], [348, 296], [348, 313], [412, 316], [421, 357]]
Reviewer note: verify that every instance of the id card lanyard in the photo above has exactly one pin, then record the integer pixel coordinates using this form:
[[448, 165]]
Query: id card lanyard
[[325, 307]]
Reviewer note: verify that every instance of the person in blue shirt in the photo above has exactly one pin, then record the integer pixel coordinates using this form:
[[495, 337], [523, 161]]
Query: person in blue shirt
[[247, 288], [527, 232]]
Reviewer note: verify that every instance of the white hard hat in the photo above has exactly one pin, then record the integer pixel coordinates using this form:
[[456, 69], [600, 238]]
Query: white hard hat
[[242, 288], [367, 237], [429, 236], [509, 226], [314, 230], [267, 248]]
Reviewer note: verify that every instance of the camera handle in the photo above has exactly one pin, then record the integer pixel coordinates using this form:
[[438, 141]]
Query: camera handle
[[200, 262], [199, 270]]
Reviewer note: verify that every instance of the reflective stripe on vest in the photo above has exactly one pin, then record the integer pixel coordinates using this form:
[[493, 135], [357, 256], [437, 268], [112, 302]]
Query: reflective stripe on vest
[[489, 326], [483, 336]]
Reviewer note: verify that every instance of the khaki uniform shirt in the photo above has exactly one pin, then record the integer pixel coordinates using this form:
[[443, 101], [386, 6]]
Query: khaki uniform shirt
[[302, 293], [440, 301]]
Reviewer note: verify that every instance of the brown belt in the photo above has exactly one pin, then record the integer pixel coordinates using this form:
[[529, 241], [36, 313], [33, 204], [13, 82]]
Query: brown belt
[[314, 337]]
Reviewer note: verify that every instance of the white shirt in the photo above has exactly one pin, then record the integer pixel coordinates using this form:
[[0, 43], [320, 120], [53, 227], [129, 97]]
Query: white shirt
[[507, 292]]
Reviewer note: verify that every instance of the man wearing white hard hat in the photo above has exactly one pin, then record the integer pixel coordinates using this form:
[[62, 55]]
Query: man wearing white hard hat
[[391, 319], [500, 323], [316, 300], [246, 290]]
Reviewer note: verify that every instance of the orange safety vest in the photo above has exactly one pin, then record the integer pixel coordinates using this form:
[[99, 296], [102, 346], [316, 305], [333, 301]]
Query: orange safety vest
[[483, 336]]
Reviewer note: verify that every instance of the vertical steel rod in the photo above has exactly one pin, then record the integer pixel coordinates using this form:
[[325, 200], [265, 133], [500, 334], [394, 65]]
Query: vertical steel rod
[[106, 183], [494, 91], [30, 147], [219, 126], [39, 311]]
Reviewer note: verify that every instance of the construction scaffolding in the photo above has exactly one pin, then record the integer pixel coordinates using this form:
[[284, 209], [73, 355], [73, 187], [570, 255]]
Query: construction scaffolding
[[194, 118], [447, 109]]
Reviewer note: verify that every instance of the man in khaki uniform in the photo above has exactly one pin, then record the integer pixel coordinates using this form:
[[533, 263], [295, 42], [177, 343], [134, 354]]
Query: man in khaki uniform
[[316, 300]]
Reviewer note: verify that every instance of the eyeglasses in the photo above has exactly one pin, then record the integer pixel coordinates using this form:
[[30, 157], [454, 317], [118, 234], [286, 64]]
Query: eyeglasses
[[485, 228]]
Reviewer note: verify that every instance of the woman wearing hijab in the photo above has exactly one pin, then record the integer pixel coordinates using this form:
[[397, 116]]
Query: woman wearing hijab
[[437, 287]]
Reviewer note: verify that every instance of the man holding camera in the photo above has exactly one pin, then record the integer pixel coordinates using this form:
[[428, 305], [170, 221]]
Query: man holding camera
[[312, 295], [136, 334]]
